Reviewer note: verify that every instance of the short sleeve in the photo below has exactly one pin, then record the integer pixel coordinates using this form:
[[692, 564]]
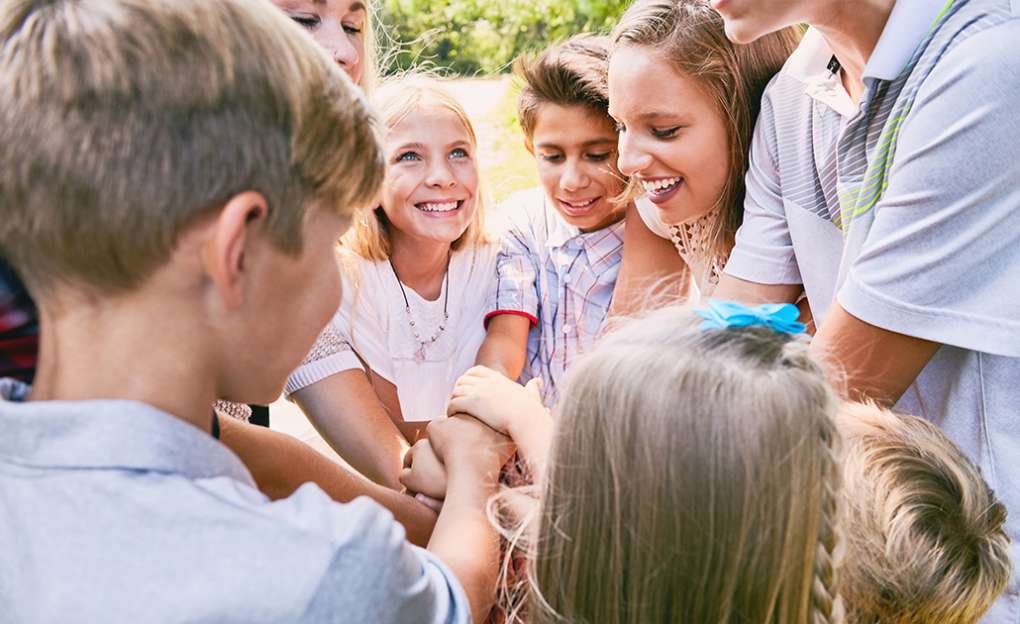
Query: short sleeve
[[331, 354], [375, 575], [941, 260], [764, 248], [516, 290]]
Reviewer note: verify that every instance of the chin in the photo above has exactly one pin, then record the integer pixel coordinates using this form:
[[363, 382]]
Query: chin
[[742, 34]]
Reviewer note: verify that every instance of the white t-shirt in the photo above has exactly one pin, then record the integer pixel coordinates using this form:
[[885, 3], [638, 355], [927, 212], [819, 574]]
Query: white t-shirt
[[374, 325]]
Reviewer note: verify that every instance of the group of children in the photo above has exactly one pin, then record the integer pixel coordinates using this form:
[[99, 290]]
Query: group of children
[[173, 181]]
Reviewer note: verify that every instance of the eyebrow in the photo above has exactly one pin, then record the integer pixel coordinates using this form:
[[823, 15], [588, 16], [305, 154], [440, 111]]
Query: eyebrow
[[357, 6], [585, 144]]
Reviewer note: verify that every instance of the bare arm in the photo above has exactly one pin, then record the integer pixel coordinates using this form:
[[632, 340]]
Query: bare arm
[[651, 271], [280, 464], [506, 345], [464, 538], [742, 291], [869, 362], [347, 412]]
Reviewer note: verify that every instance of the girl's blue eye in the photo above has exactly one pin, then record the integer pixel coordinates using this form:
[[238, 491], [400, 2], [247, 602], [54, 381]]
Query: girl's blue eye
[[408, 157], [459, 153], [665, 133], [352, 30]]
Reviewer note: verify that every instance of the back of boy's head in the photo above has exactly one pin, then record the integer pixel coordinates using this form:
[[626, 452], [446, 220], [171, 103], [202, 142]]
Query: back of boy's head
[[925, 536], [573, 73], [123, 122], [693, 478]]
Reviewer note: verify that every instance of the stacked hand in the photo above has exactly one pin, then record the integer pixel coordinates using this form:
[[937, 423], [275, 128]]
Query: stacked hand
[[495, 400], [454, 445]]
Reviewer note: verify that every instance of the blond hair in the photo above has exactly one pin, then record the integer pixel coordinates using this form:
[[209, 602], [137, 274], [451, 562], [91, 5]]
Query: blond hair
[[689, 35], [394, 101], [925, 535], [693, 477], [122, 122]]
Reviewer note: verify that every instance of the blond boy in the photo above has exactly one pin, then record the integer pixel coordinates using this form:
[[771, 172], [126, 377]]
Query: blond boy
[[926, 542], [173, 176]]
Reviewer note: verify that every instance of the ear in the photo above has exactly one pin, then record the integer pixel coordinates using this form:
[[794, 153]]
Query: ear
[[227, 249], [528, 145]]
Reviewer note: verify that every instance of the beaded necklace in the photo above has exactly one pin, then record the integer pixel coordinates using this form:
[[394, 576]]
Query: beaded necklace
[[423, 344]]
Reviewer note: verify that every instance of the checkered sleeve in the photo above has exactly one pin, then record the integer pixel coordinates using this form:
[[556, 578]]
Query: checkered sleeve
[[516, 289]]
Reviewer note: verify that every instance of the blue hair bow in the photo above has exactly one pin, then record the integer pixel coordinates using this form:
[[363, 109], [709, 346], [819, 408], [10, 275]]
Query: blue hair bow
[[779, 317]]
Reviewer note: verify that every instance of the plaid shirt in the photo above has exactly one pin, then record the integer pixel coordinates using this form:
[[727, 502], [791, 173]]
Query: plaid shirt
[[559, 278], [19, 328]]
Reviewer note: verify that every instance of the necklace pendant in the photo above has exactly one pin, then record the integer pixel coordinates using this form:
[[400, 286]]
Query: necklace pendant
[[419, 355]]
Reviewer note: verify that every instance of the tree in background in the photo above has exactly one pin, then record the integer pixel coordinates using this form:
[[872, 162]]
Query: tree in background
[[471, 37]]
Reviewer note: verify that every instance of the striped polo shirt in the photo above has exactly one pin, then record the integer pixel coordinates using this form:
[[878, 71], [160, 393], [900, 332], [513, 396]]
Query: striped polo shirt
[[905, 208]]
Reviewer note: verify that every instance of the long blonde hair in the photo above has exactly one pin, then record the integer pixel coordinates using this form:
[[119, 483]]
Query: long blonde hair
[[393, 102], [693, 477], [925, 535], [689, 34]]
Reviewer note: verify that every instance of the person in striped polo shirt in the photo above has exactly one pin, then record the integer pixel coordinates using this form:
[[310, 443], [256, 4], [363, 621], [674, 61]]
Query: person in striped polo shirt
[[884, 184]]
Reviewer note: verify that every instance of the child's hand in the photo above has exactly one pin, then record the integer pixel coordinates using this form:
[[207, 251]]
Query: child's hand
[[423, 473], [468, 446], [494, 399]]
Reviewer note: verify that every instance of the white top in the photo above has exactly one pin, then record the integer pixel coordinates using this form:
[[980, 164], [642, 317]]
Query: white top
[[373, 326], [691, 241]]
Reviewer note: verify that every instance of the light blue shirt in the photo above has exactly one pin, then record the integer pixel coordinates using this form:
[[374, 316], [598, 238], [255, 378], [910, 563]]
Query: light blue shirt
[[114, 511]]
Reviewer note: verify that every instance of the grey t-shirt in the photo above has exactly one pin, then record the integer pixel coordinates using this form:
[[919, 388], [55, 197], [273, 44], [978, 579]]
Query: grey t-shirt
[[906, 210], [113, 511]]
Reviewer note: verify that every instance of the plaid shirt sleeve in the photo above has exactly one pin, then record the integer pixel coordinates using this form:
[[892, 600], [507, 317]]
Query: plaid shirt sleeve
[[516, 278]]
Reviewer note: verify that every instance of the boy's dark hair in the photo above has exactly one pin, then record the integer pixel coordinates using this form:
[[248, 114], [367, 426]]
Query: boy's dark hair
[[123, 122], [573, 73]]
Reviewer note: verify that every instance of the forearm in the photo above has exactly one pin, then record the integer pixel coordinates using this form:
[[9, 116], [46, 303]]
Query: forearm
[[466, 541], [533, 435], [502, 353], [346, 412], [280, 464]]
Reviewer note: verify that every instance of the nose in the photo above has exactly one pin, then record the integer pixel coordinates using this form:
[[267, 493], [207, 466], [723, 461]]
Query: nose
[[344, 52], [440, 176], [574, 178], [632, 158]]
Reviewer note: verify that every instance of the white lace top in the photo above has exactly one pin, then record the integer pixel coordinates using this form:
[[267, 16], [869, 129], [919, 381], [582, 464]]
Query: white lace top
[[372, 328], [693, 242]]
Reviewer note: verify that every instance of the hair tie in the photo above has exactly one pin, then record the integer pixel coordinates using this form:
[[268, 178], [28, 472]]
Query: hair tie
[[779, 317]]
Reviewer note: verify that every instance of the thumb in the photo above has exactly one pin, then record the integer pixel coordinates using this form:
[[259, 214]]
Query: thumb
[[535, 386]]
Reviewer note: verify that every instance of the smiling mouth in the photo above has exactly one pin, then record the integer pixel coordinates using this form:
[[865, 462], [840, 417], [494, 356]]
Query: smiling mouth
[[661, 187], [439, 208]]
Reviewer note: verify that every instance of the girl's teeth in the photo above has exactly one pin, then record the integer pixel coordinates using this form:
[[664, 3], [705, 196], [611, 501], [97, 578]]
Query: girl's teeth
[[654, 186], [446, 207]]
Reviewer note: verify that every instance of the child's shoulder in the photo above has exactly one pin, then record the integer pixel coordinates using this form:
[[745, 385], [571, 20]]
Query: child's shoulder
[[523, 207]]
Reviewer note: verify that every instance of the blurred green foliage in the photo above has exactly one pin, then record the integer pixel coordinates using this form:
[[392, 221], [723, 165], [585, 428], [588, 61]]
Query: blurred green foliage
[[472, 37]]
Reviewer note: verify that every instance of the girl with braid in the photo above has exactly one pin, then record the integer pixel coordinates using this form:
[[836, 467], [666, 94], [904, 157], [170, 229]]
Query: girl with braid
[[689, 474]]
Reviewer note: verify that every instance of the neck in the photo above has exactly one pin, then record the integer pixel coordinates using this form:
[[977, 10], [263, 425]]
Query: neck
[[421, 264], [852, 30], [89, 352]]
